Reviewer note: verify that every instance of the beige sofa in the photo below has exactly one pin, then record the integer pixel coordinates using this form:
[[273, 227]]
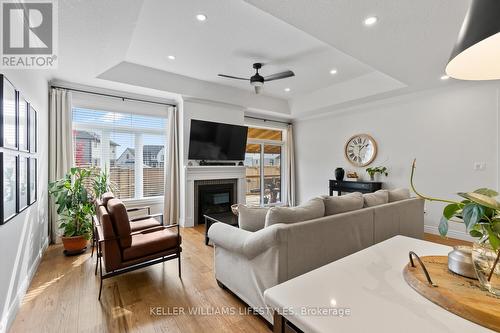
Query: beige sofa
[[248, 263]]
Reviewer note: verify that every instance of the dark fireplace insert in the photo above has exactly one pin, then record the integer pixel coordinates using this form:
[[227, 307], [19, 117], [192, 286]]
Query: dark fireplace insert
[[213, 199]]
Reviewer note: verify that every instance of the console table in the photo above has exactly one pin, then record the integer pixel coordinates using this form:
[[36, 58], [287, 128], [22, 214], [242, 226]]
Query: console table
[[357, 186], [363, 292]]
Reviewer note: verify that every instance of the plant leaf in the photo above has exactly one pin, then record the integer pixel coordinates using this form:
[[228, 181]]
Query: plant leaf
[[481, 199], [486, 191], [476, 234], [450, 210], [443, 226], [472, 213], [493, 239]]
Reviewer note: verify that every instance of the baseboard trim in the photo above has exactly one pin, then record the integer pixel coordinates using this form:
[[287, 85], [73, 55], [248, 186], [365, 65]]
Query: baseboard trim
[[9, 317], [432, 229]]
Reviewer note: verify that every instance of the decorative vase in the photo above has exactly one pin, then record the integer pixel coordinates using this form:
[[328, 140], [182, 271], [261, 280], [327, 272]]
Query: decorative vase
[[339, 174], [372, 178], [487, 265]]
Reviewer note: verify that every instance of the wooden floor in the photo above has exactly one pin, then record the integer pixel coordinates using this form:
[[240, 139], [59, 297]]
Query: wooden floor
[[63, 296]]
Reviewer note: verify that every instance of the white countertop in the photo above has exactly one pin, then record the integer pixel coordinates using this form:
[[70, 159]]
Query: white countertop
[[370, 284]]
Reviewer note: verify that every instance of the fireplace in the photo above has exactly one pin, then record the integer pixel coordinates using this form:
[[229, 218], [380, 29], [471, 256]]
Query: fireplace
[[213, 196]]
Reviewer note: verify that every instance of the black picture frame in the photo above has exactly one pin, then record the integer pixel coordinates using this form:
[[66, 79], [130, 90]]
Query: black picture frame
[[23, 109], [8, 114], [33, 130], [8, 188], [22, 183], [32, 177]]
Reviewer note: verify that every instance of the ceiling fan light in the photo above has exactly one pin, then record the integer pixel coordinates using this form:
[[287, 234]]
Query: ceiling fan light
[[258, 88], [477, 50], [257, 83]]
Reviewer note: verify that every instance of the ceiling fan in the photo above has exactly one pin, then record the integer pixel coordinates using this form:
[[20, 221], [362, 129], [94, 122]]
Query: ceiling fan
[[257, 80]]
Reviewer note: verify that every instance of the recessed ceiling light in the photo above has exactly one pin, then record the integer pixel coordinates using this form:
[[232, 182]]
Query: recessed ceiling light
[[445, 77], [171, 57], [371, 20], [333, 71], [201, 17], [287, 89]]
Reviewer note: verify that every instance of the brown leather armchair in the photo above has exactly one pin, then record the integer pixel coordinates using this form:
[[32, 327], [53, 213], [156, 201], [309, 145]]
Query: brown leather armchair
[[123, 249], [136, 224]]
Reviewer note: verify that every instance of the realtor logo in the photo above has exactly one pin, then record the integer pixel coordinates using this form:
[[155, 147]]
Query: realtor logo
[[29, 34]]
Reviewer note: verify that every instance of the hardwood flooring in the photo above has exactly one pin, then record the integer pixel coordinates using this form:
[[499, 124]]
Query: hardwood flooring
[[63, 296]]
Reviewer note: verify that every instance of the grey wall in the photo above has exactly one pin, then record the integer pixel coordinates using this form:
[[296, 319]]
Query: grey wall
[[23, 239], [447, 130]]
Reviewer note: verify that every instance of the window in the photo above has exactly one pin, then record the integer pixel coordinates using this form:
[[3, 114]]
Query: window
[[263, 166], [131, 147]]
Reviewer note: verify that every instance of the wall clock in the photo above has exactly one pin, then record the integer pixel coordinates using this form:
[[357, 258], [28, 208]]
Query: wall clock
[[360, 150]]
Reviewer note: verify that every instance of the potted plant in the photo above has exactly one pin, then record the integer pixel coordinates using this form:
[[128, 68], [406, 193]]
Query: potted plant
[[375, 170], [479, 211], [75, 209]]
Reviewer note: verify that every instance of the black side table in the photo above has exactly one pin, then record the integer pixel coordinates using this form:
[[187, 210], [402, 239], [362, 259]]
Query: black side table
[[227, 218]]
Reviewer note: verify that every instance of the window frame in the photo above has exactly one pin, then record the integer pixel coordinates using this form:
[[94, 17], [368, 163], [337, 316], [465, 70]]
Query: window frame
[[283, 145], [105, 165]]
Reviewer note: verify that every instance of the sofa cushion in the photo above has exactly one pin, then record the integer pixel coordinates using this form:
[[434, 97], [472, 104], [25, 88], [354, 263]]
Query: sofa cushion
[[399, 194], [376, 198], [144, 224], [150, 242], [313, 209], [343, 203], [121, 223], [251, 218]]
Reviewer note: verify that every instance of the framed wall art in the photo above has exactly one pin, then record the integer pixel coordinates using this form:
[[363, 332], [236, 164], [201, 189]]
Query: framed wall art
[[32, 130], [8, 114], [8, 190], [22, 186], [32, 176], [22, 123]]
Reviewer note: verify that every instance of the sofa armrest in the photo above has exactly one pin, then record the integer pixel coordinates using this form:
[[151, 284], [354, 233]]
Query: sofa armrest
[[246, 243]]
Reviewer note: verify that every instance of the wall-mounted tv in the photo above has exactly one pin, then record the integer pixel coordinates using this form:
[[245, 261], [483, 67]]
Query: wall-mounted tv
[[216, 141]]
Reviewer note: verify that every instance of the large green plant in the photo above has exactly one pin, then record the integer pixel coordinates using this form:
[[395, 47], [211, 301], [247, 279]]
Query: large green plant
[[74, 204], [478, 210]]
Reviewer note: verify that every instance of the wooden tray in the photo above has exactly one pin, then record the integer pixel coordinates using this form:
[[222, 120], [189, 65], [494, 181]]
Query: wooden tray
[[460, 295]]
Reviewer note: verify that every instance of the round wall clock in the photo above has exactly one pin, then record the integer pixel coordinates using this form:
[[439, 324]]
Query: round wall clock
[[360, 150]]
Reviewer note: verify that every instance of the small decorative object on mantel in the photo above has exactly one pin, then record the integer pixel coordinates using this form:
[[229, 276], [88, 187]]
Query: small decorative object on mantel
[[480, 212], [352, 176], [339, 174], [377, 170], [360, 150]]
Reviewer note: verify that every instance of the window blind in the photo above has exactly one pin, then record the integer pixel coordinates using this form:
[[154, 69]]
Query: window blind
[[129, 146]]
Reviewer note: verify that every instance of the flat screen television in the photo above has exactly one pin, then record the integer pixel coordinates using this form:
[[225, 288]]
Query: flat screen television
[[216, 141]]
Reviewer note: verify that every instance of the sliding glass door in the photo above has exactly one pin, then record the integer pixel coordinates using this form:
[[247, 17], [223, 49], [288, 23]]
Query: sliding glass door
[[263, 167]]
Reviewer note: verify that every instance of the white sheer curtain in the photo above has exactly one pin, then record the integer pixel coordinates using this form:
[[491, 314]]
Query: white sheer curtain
[[172, 176], [60, 147], [290, 166]]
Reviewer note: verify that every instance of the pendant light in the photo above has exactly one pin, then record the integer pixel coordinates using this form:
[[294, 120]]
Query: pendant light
[[476, 55]]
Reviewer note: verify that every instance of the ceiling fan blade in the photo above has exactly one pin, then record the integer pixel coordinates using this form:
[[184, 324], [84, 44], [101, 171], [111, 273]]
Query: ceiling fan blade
[[278, 76], [233, 77]]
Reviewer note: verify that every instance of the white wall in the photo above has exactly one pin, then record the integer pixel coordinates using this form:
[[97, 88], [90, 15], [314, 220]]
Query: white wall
[[447, 130], [23, 239]]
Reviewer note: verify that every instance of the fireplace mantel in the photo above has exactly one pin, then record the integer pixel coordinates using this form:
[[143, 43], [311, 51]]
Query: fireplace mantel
[[192, 173]]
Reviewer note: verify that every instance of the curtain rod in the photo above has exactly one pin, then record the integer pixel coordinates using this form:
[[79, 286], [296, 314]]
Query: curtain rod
[[266, 120], [114, 96]]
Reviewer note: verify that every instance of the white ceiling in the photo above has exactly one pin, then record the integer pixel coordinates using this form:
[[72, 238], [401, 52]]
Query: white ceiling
[[101, 41]]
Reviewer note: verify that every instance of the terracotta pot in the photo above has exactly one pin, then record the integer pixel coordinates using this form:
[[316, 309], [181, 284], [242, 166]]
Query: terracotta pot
[[74, 244]]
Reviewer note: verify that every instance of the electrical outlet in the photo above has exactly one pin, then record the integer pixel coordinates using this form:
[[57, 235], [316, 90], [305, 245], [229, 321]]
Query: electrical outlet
[[479, 166]]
